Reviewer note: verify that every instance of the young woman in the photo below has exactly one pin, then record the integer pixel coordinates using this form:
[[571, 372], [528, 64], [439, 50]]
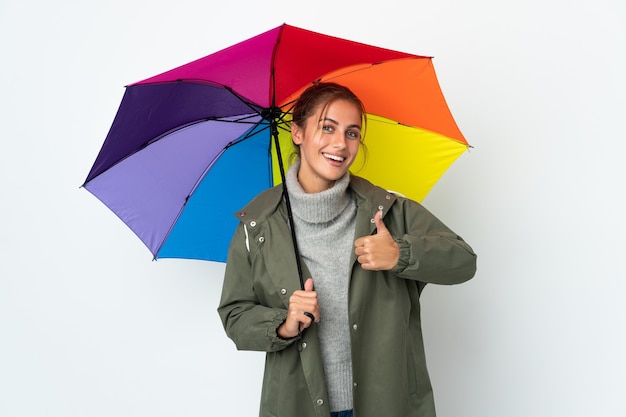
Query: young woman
[[350, 343]]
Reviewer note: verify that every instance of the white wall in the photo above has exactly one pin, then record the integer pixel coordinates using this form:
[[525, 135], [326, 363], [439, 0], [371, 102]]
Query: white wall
[[89, 326]]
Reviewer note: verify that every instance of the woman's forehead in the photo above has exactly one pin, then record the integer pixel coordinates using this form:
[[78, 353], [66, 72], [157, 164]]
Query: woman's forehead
[[338, 109]]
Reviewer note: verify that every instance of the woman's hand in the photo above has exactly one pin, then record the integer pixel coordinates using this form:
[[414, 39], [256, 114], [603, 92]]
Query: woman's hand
[[300, 302], [377, 252]]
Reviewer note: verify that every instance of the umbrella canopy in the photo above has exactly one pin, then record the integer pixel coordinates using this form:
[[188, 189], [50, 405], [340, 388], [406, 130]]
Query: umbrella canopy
[[192, 145]]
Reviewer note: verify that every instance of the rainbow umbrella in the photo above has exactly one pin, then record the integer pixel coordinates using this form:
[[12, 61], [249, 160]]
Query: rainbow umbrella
[[191, 146]]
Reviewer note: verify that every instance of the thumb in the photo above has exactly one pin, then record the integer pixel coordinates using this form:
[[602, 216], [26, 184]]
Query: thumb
[[380, 224], [308, 284]]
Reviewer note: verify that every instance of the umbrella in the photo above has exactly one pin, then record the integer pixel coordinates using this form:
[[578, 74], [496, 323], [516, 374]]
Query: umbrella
[[190, 146]]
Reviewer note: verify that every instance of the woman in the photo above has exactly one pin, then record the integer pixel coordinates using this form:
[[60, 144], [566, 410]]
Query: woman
[[350, 343]]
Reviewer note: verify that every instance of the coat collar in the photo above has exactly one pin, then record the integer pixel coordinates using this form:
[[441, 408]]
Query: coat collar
[[367, 193], [367, 196]]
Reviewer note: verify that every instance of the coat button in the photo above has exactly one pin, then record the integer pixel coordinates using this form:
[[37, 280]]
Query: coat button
[[303, 345], [283, 291], [355, 327], [380, 207], [261, 239], [372, 220], [388, 197], [242, 213], [252, 223], [319, 402]]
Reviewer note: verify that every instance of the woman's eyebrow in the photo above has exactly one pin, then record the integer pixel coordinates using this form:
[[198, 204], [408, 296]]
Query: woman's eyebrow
[[328, 119]]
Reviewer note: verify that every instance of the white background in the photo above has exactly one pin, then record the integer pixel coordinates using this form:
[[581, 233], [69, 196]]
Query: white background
[[90, 326]]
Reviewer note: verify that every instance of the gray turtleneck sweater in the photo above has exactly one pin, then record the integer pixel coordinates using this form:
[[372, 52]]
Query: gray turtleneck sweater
[[325, 224]]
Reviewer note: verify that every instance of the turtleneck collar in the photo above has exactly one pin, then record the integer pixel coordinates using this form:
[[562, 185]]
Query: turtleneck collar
[[319, 207]]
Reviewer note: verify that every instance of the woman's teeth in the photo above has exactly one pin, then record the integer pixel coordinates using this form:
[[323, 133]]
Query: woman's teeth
[[334, 157]]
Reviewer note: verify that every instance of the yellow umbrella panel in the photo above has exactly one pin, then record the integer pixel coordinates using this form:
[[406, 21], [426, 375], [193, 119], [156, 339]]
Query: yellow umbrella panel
[[402, 159]]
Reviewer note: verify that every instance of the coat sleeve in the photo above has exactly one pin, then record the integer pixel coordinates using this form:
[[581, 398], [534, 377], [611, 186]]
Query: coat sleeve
[[429, 251], [251, 325]]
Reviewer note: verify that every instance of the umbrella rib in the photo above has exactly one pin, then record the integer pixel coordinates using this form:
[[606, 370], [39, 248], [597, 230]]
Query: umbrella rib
[[249, 134]]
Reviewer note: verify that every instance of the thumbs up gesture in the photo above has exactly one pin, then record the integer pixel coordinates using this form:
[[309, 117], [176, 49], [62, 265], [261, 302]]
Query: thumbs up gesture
[[377, 252]]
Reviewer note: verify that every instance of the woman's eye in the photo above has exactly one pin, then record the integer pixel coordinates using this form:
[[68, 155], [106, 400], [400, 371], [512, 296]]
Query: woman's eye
[[352, 135], [327, 128]]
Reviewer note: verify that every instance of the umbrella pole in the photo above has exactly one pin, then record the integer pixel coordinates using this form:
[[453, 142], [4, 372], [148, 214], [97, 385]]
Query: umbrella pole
[[274, 130]]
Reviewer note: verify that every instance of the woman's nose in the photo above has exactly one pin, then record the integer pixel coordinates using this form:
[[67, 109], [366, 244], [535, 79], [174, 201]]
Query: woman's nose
[[339, 141]]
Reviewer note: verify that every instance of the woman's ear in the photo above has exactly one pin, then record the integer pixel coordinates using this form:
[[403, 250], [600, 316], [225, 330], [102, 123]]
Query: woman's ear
[[296, 134]]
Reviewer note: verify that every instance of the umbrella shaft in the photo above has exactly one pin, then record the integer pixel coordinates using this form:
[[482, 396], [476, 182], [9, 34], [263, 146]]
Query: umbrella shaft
[[274, 130]]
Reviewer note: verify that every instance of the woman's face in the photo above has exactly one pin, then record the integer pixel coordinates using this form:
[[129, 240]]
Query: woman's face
[[328, 144]]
